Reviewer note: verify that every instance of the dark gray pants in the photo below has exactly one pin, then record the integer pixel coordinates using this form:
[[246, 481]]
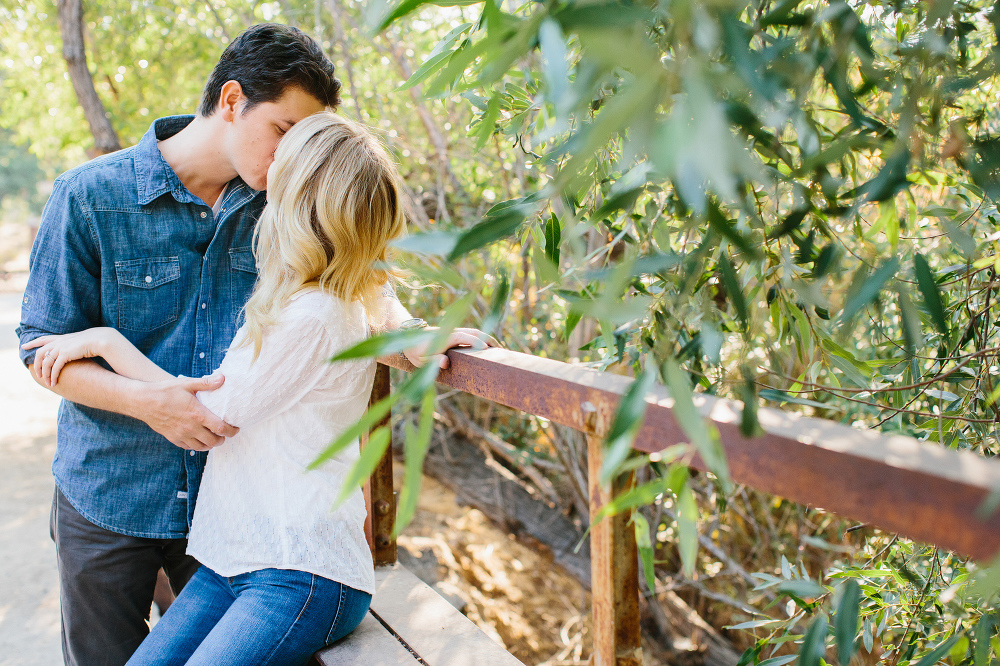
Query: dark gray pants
[[106, 583]]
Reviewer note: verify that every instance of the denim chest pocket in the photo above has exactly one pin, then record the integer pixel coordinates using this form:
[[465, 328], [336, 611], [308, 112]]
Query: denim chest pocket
[[242, 276], [148, 292]]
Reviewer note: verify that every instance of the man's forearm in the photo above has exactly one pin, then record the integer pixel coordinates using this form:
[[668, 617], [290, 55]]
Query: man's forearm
[[87, 383]]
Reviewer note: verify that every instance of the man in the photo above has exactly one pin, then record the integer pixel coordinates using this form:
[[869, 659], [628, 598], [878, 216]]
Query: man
[[155, 240]]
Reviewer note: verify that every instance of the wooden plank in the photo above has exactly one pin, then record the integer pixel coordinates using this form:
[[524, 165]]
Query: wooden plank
[[370, 643], [429, 625], [614, 561], [918, 489], [381, 500]]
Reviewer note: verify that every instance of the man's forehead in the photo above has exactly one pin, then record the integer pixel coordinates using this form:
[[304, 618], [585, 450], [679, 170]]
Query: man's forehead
[[296, 104]]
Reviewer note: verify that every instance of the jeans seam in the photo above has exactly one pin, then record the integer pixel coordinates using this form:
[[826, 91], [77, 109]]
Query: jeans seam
[[340, 608], [312, 589]]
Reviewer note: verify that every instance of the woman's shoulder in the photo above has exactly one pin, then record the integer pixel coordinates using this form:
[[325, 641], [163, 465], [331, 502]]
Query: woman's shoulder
[[314, 300], [335, 314]]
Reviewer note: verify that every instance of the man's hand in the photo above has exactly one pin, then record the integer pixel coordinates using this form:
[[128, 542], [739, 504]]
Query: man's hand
[[470, 338], [171, 409]]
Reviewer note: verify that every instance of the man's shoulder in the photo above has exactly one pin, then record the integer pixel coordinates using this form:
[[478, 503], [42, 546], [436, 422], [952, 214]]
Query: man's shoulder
[[106, 178]]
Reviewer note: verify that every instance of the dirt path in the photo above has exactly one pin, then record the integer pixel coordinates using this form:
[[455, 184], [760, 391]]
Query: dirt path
[[29, 593]]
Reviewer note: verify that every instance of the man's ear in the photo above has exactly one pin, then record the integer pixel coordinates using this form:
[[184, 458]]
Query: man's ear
[[231, 100]]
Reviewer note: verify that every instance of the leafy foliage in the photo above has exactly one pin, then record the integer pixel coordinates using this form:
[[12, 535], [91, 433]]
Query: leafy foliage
[[780, 196]]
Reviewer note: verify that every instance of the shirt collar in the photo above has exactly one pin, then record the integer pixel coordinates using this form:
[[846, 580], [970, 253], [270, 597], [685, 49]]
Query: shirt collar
[[154, 177]]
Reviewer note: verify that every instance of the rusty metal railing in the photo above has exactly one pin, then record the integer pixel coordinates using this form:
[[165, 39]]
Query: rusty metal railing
[[920, 490]]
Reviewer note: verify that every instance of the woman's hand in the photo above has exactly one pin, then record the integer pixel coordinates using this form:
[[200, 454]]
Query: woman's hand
[[55, 351], [471, 338]]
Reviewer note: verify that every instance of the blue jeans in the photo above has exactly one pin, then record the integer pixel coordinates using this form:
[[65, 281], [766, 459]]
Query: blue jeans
[[272, 617]]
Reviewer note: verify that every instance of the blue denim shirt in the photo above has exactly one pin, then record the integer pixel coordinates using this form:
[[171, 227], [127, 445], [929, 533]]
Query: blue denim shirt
[[123, 243]]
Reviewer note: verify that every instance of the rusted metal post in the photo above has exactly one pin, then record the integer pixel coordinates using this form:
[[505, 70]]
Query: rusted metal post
[[379, 497], [614, 561]]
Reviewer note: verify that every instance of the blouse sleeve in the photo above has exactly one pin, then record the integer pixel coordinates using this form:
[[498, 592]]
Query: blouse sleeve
[[294, 357]]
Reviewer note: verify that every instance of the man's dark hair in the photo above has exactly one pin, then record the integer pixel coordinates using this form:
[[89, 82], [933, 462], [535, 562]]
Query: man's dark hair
[[268, 58]]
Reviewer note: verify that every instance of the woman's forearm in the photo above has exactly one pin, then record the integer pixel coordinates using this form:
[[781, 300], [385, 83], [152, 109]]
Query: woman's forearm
[[128, 361]]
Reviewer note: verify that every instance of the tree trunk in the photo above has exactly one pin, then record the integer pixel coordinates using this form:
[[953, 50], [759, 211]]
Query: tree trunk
[[71, 27]]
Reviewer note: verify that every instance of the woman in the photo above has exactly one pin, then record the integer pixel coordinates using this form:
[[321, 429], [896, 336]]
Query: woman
[[282, 574]]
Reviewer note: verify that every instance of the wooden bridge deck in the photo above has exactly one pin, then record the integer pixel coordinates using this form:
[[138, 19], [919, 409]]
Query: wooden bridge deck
[[409, 623]]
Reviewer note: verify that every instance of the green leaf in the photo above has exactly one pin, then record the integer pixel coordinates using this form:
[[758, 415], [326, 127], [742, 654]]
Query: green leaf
[[498, 304], [409, 6], [722, 226], [775, 395], [789, 224], [846, 622], [385, 344], [606, 15], [778, 661], [983, 634], [626, 190], [429, 66], [415, 448], [625, 426], [553, 238], [647, 493], [734, 291], [440, 53], [803, 589], [375, 414], [856, 370], [371, 454], [487, 121], [913, 335], [572, 319], [814, 644], [711, 342], [782, 14], [702, 434], [434, 243], [687, 529], [645, 546], [935, 655], [758, 624], [555, 64], [495, 226], [749, 424], [454, 315], [929, 290], [890, 180], [869, 289]]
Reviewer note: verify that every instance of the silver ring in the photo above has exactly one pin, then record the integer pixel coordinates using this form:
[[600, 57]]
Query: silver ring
[[48, 352]]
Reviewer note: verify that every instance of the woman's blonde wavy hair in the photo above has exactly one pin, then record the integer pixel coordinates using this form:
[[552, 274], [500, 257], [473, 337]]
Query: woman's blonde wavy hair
[[333, 205]]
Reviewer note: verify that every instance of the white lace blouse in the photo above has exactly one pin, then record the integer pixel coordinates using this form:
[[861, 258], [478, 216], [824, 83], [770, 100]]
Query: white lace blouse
[[258, 506]]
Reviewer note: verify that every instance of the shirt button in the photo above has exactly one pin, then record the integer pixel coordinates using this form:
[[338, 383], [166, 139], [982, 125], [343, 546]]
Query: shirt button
[[204, 214], [203, 306], [149, 278], [201, 355], [190, 453]]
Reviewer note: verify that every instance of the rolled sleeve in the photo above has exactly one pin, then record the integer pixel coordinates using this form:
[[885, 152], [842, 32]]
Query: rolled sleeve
[[63, 294]]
